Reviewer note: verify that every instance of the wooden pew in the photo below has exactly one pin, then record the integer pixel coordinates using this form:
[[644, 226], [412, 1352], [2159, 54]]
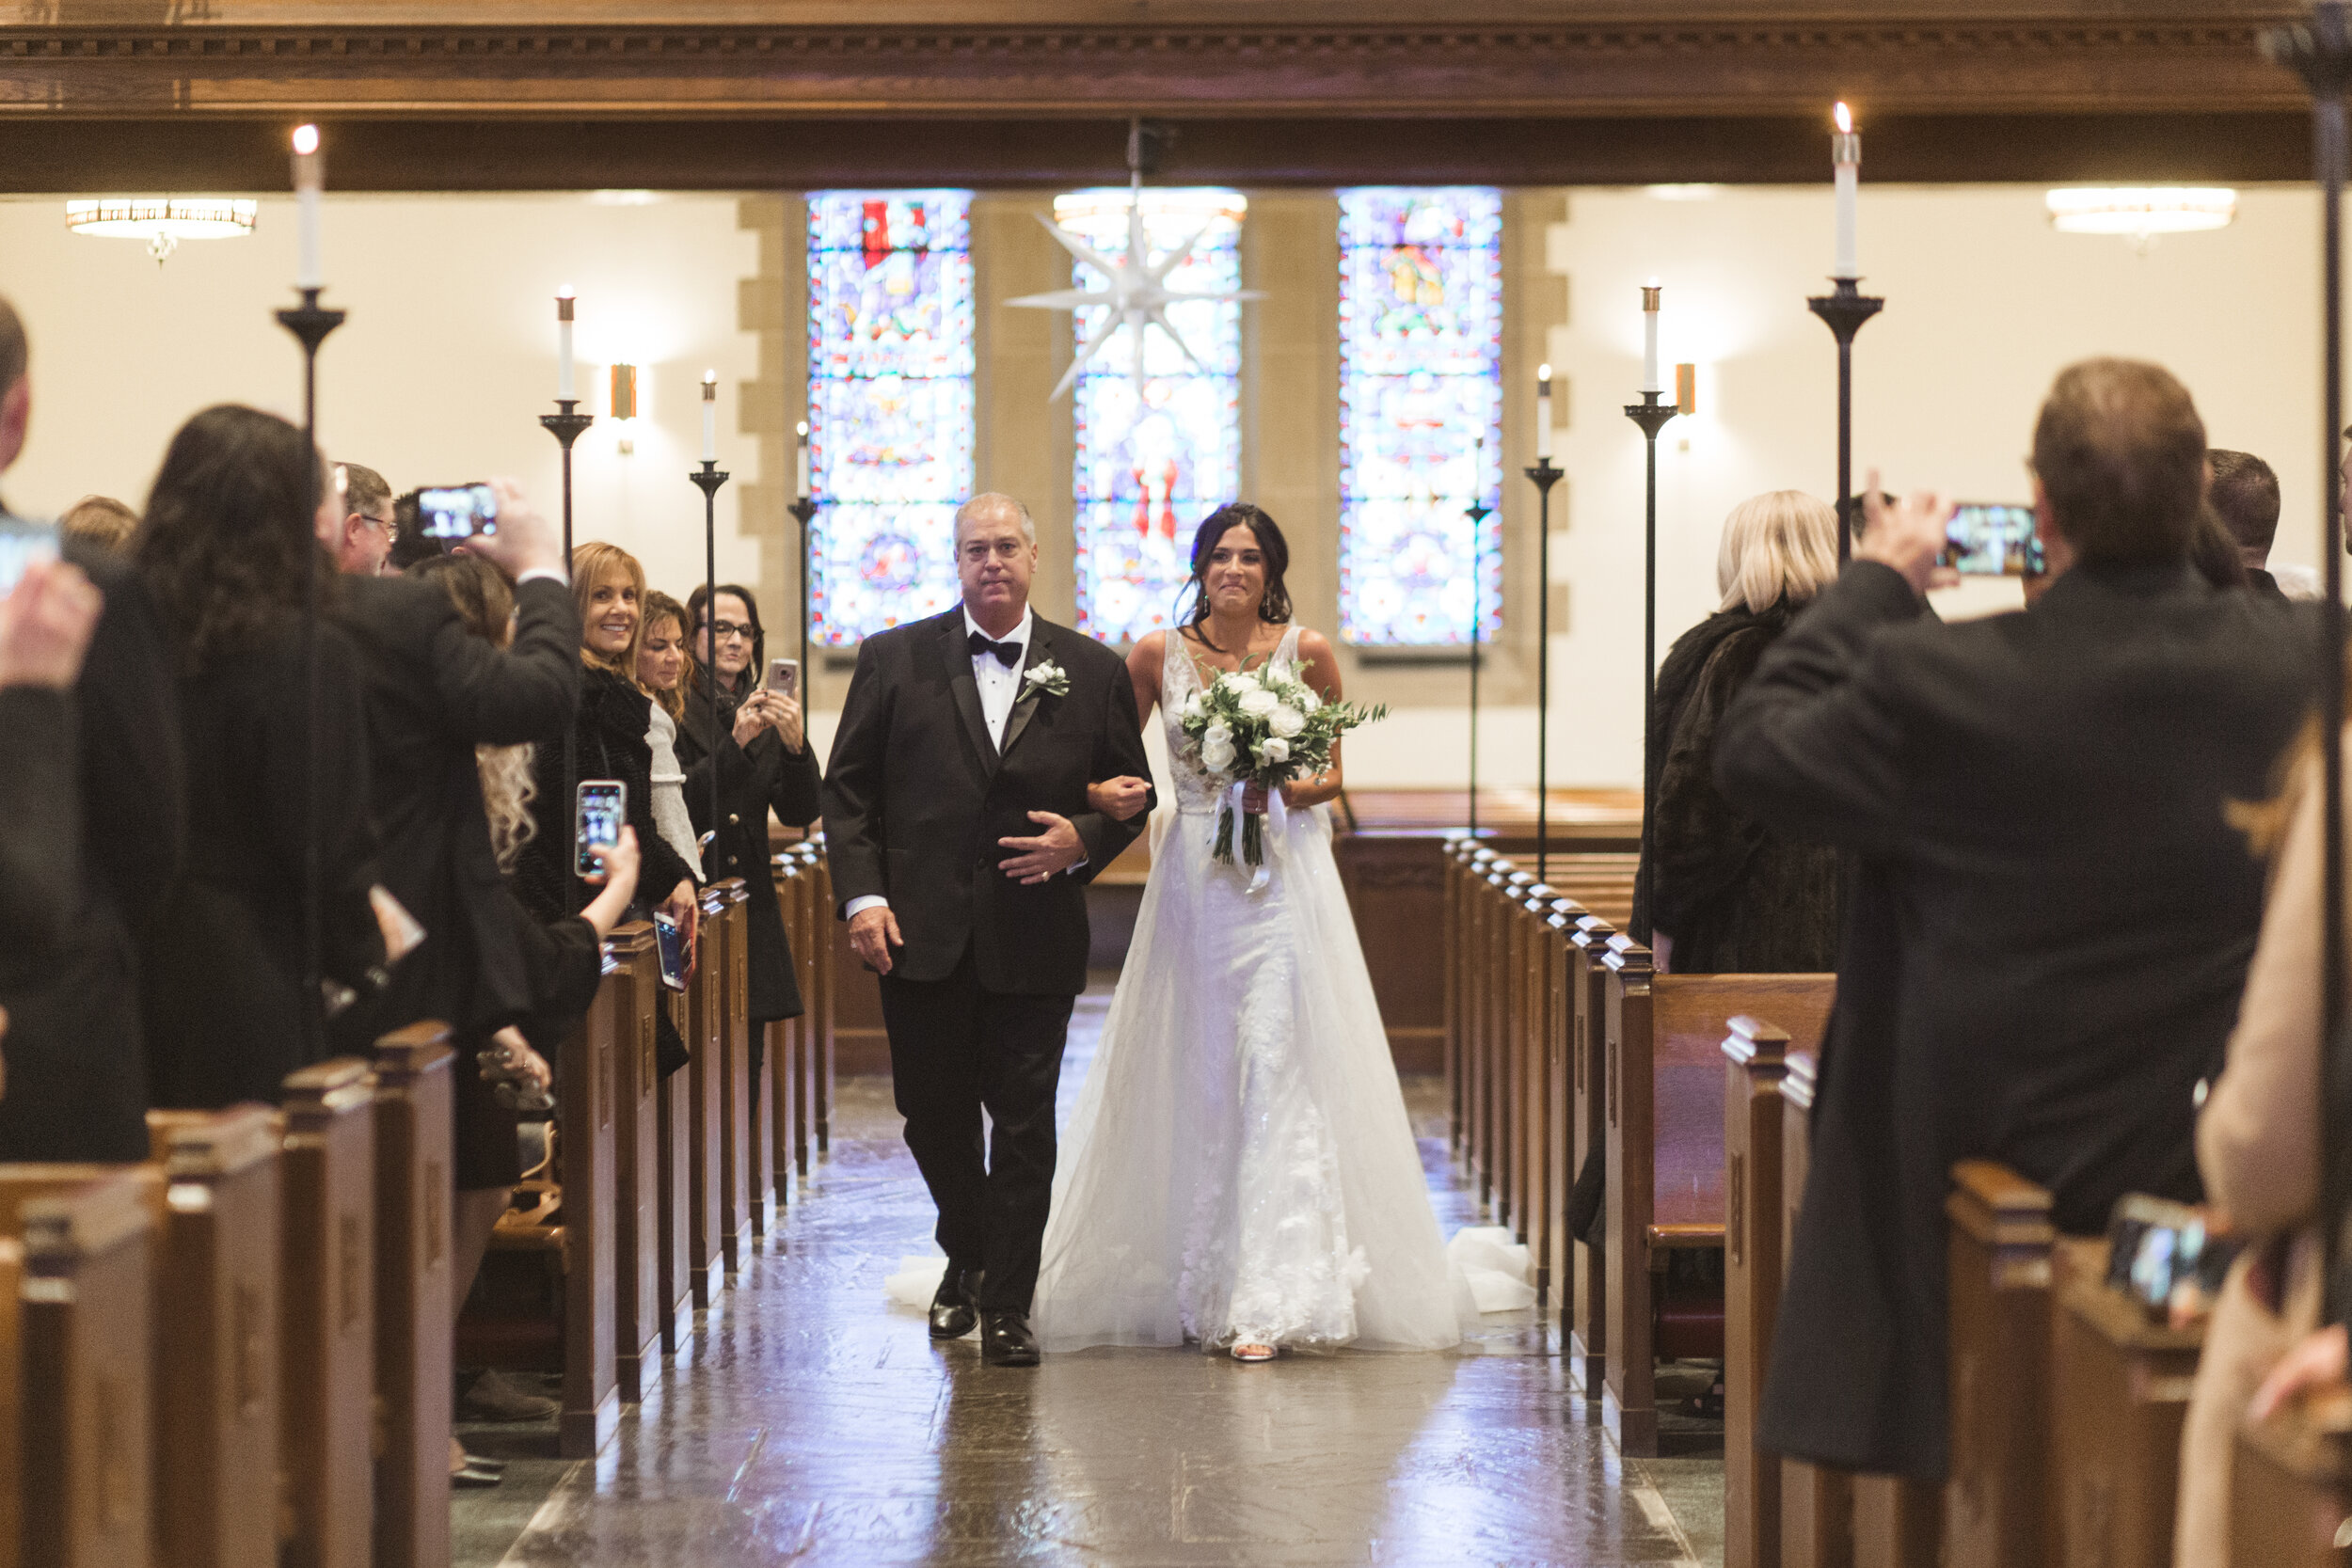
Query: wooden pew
[[327, 1317], [2291, 1488], [632, 972], [1816, 1502], [673, 1201], [735, 1078], [1755, 1064], [1465, 872], [1585, 1132], [1665, 1155], [1996, 1513], [821, 996], [2123, 1386], [588, 1080], [1494, 981], [414, 1123], [705, 1121], [78, 1323], [215, 1370], [786, 1134]]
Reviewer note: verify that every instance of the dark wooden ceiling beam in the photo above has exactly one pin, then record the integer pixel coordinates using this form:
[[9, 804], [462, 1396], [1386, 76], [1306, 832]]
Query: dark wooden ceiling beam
[[119, 58]]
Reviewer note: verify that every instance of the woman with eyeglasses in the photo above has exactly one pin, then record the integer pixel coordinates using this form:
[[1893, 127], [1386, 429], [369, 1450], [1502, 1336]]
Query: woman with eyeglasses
[[765, 764]]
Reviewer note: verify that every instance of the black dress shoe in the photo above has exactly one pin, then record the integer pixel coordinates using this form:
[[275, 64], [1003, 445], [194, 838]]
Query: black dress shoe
[[472, 1479], [1006, 1339], [955, 1309]]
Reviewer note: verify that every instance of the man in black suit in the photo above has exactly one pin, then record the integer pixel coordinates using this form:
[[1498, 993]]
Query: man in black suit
[[434, 692], [2245, 496], [2063, 914], [76, 1052], [959, 837]]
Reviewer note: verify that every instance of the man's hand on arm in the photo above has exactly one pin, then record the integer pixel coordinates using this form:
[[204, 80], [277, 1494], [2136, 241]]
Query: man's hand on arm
[[1047, 855], [873, 932], [1908, 536]]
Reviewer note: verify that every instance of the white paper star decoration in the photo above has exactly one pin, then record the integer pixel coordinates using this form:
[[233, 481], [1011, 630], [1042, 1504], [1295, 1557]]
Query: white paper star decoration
[[1136, 290]]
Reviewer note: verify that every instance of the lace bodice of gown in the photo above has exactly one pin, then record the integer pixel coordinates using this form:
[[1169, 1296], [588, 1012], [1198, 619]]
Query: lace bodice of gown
[[1196, 789]]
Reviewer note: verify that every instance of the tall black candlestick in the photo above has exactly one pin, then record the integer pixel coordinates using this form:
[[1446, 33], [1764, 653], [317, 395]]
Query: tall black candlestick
[[566, 424], [1651, 415], [708, 478], [2321, 53], [1845, 311], [1478, 512], [804, 511], [1544, 477], [310, 323]]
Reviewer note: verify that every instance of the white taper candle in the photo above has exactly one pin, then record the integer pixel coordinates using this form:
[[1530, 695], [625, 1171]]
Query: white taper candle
[[563, 303], [710, 416], [310, 180], [1650, 292], [1543, 414], [1846, 157]]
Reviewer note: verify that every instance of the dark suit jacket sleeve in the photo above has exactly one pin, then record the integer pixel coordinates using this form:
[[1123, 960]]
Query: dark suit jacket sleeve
[[789, 781], [1811, 744], [133, 773], [1119, 753], [41, 833], [526, 692], [852, 790]]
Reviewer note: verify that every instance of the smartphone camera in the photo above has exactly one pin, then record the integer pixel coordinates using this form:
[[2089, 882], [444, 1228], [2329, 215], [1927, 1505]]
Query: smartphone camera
[[458, 511], [598, 815], [1992, 540], [22, 543], [670, 946], [784, 677]]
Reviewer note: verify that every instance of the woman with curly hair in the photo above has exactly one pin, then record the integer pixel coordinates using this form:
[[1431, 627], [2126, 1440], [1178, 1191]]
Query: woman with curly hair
[[228, 551]]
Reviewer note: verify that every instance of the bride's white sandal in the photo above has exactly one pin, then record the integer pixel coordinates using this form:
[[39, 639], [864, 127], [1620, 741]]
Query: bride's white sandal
[[1255, 1353]]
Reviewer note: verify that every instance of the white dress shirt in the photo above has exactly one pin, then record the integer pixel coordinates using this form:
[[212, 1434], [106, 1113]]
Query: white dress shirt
[[1000, 686]]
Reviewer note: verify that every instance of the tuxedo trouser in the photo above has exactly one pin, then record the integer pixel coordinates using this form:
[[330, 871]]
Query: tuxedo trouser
[[956, 1048]]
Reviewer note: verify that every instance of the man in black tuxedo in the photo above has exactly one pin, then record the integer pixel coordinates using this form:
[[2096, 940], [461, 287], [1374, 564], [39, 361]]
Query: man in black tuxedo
[[959, 837], [2054, 915], [434, 692]]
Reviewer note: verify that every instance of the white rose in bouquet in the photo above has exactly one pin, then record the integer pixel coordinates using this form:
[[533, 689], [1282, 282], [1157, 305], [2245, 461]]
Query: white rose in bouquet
[[1217, 755], [1193, 707], [1217, 735], [1274, 751], [1258, 702], [1239, 680], [1286, 722]]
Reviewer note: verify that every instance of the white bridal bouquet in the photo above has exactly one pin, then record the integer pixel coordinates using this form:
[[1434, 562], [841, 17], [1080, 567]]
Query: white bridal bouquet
[[1261, 727]]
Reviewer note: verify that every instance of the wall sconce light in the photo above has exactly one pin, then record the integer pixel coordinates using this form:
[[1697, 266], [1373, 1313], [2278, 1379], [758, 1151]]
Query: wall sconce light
[[623, 406], [1685, 389]]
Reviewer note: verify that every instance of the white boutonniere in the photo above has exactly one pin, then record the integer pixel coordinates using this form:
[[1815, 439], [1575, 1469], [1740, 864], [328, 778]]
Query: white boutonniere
[[1045, 676]]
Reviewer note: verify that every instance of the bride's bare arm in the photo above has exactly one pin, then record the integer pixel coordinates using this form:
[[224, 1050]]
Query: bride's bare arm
[[1121, 798], [1319, 666]]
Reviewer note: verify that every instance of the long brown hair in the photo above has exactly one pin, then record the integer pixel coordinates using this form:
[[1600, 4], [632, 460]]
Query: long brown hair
[[229, 539], [661, 606], [591, 563]]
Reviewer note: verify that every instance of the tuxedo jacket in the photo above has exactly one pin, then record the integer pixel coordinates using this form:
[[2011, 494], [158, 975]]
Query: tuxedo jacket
[[917, 794]]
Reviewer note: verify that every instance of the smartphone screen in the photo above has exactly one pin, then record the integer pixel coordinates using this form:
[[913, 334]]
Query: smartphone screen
[[1993, 540], [670, 945], [784, 676], [23, 542], [456, 511], [601, 809]]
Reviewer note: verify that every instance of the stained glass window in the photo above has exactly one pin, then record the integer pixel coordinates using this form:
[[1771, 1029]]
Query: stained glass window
[[1421, 384], [1159, 449], [890, 404]]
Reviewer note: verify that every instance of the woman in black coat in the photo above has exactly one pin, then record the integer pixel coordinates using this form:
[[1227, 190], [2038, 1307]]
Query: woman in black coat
[[764, 763], [225, 550], [1716, 893]]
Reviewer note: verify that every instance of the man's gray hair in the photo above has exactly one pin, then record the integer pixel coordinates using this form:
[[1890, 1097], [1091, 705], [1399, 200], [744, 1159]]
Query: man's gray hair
[[988, 500]]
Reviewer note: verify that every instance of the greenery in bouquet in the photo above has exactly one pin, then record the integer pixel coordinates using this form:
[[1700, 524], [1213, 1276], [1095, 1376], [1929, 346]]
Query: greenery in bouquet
[[1263, 727]]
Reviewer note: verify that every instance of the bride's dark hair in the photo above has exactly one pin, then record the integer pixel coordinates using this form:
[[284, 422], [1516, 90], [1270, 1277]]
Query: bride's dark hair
[[1275, 607]]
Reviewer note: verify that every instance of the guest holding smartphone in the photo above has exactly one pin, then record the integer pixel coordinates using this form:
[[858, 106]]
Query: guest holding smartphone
[[764, 763]]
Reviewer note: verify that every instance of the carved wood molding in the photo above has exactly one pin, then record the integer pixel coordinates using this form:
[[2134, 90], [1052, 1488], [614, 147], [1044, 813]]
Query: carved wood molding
[[2029, 61]]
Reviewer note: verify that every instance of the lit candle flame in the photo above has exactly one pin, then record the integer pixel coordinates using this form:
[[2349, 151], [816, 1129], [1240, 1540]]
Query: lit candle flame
[[1845, 120], [306, 139], [803, 430], [710, 385], [1543, 372]]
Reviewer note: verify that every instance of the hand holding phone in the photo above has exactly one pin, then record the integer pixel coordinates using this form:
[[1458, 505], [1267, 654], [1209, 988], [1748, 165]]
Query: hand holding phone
[[458, 511], [669, 947], [784, 677], [601, 807], [1993, 539]]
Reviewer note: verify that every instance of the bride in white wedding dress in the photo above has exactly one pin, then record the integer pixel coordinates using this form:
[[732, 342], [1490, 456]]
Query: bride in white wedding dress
[[1240, 1171]]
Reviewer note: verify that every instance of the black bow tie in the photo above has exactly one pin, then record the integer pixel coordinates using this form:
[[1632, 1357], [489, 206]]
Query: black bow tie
[[1007, 654]]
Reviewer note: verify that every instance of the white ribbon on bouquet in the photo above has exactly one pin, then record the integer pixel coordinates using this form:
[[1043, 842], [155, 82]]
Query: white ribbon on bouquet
[[1277, 814]]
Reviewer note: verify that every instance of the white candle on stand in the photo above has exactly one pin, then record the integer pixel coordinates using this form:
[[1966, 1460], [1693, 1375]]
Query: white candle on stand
[[710, 416], [309, 179], [1845, 151], [1543, 414], [802, 480], [563, 303], [1650, 292]]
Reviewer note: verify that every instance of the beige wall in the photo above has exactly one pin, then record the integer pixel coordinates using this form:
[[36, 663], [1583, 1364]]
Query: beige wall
[[448, 361]]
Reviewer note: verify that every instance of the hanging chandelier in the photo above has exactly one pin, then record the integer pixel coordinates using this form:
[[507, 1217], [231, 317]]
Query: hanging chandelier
[[2140, 212], [163, 221]]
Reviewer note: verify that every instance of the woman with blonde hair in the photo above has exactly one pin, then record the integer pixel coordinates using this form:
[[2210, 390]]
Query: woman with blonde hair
[[1716, 892], [609, 741]]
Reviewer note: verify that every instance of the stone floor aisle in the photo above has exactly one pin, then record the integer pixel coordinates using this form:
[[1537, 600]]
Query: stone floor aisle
[[815, 1423]]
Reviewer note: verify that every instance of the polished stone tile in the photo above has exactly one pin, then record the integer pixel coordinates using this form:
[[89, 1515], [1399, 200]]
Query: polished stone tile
[[815, 1423]]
